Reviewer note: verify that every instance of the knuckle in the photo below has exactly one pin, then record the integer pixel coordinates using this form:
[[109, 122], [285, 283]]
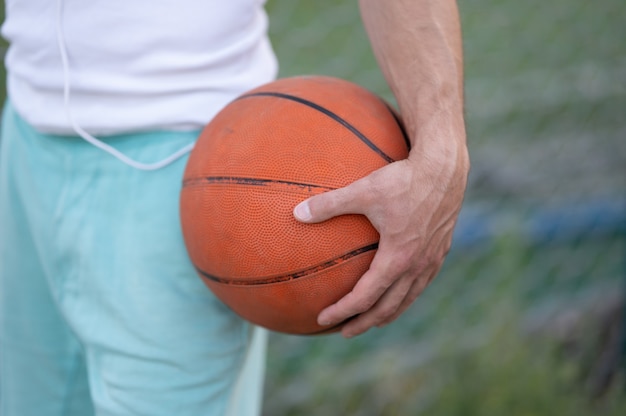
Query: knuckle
[[371, 189], [336, 198], [396, 265], [386, 312], [432, 258], [321, 203], [405, 262], [365, 302], [445, 248]]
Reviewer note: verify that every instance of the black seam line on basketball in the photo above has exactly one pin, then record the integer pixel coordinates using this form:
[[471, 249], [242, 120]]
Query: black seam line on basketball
[[290, 276], [405, 136], [237, 180], [327, 112]]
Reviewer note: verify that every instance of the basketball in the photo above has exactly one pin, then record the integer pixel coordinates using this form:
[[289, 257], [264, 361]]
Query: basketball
[[264, 153]]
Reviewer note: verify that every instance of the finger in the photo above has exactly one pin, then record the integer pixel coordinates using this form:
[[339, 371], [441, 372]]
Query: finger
[[418, 287], [347, 200], [413, 293], [368, 289], [386, 307], [362, 297]]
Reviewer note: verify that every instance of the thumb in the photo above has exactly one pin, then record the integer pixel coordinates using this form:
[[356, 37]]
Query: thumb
[[318, 208]]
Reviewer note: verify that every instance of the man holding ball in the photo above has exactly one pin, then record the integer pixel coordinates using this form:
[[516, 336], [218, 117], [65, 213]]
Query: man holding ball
[[101, 311]]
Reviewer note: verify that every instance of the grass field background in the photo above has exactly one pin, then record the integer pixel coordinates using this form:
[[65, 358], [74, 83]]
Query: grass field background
[[525, 317], [517, 321]]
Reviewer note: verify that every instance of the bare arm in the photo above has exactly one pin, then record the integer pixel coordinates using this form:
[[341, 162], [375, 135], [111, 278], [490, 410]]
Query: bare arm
[[418, 46], [413, 203]]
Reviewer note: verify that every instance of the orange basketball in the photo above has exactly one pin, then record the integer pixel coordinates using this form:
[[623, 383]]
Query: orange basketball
[[265, 152]]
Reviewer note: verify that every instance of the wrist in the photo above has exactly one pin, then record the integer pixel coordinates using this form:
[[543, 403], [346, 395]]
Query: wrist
[[439, 145], [435, 112]]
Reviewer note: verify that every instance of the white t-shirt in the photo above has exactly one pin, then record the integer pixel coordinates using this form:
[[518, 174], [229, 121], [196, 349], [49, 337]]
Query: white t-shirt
[[134, 64]]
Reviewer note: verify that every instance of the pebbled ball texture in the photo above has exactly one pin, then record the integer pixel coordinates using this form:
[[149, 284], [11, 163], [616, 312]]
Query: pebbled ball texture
[[265, 152]]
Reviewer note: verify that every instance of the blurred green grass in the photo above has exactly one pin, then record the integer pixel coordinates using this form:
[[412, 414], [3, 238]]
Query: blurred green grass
[[469, 346], [508, 376], [540, 76], [545, 100]]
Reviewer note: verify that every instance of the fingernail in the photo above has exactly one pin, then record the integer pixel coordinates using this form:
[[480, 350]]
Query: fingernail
[[323, 321], [348, 334], [302, 211]]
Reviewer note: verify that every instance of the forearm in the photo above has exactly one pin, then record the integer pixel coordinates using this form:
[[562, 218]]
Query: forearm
[[412, 203], [418, 46]]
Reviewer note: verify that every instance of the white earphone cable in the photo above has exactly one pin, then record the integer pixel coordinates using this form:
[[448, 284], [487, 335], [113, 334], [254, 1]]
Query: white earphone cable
[[80, 131]]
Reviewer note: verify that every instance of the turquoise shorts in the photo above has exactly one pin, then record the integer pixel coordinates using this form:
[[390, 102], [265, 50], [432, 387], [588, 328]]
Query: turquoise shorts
[[101, 311]]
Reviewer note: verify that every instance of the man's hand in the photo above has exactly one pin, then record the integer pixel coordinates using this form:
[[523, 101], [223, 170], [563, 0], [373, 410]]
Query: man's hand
[[413, 203]]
